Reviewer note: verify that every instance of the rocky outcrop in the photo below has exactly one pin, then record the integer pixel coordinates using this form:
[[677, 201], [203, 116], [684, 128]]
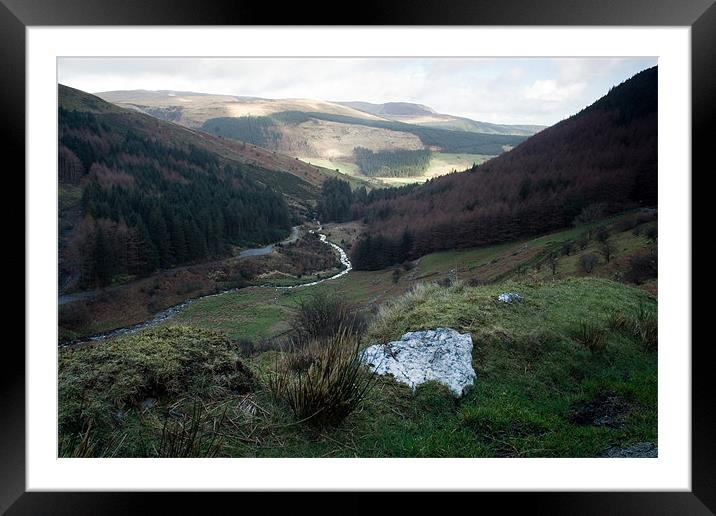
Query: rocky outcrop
[[442, 355]]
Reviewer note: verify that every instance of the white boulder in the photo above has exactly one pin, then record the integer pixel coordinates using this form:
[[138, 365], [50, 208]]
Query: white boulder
[[443, 355]]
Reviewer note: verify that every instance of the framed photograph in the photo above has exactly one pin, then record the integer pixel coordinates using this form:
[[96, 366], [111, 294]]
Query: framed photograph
[[447, 250]]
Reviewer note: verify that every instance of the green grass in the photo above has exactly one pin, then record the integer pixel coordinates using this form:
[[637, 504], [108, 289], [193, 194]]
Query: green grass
[[344, 170], [466, 259], [527, 259], [445, 162], [247, 313], [531, 372], [440, 163], [102, 387], [344, 167], [259, 313]]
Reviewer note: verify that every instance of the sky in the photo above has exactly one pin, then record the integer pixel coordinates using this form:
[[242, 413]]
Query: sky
[[539, 91]]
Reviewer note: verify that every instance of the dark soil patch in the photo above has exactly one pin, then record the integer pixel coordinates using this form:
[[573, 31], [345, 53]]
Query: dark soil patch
[[606, 409]]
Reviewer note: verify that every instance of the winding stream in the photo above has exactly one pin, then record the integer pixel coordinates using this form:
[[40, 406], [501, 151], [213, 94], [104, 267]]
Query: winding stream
[[348, 266], [170, 312]]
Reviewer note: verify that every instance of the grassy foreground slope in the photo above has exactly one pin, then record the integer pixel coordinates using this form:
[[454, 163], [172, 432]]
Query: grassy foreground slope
[[568, 372]]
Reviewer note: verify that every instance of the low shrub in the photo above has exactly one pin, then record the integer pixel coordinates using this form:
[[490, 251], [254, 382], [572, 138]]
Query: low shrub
[[625, 224], [324, 315], [322, 382], [189, 286], [644, 227], [590, 214], [591, 336], [73, 315], [587, 262], [583, 241], [233, 283], [601, 234], [607, 249], [553, 262], [641, 268], [475, 282], [445, 282], [245, 347], [567, 248]]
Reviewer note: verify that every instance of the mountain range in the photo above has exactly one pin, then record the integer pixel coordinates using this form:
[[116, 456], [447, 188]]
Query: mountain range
[[324, 132], [420, 114]]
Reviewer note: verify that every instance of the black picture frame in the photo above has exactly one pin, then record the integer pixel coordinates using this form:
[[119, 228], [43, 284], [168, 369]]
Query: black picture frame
[[16, 15]]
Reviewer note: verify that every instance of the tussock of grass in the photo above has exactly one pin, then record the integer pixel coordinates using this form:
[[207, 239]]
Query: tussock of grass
[[591, 336], [190, 435], [324, 315], [86, 443], [323, 381], [641, 324]]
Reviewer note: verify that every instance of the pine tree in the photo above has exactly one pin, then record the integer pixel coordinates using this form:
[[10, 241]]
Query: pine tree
[[160, 237], [147, 256], [104, 258]]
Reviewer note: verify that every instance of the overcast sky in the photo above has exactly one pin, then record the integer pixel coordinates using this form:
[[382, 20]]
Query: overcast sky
[[498, 90]]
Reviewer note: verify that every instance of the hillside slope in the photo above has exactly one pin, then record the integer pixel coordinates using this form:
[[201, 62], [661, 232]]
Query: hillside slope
[[542, 388], [320, 131], [138, 194], [420, 114], [193, 109], [243, 152], [603, 159]]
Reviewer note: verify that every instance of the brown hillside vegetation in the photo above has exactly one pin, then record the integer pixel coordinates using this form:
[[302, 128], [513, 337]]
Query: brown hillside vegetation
[[606, 155], [77, 100]]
